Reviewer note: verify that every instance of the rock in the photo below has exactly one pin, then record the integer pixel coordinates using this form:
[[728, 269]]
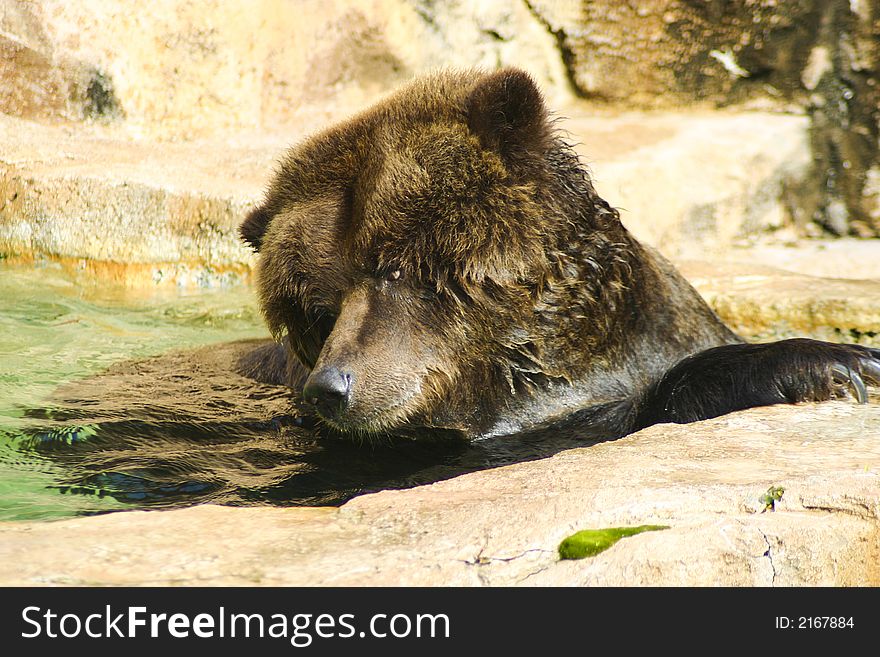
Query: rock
[[202, 69], [667, 53], [765, 303], [32, 83], [502, 526], [849, 258], [693, 184], [161, 212], [819, 55]]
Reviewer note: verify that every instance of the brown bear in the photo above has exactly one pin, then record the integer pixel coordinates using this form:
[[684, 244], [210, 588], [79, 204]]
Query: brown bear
[[442, 261]]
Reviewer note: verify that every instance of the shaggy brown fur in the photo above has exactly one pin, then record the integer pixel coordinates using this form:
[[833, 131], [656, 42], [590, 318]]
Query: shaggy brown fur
[[442, 260]]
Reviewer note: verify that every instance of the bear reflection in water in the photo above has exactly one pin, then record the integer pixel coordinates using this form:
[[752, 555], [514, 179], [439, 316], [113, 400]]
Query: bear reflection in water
[[185, 428], [441, 265]]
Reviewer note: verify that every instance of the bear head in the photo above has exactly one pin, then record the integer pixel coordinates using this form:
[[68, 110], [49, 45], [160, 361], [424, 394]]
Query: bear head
[[435, 259]]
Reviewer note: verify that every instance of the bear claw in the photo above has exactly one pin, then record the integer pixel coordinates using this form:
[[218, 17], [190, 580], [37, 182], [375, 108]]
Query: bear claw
[[871, 367], [845, 376]]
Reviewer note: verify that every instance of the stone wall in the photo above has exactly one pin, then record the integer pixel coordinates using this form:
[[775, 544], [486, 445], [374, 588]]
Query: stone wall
[[186, 68], [817, 56]]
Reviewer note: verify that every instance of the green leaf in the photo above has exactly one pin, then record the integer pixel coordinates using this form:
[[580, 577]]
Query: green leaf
[[590, 542]]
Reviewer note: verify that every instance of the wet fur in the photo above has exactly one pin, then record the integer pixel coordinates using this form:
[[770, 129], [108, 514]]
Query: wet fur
[[521, 301]]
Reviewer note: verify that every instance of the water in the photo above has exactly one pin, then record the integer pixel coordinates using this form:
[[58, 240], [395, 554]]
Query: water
[[110, 401], [56, 330]]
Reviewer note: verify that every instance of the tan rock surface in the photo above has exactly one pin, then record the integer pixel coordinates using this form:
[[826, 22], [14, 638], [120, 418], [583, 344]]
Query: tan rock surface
[[769, 303], [188, 68], [691, 184], [827, 258], [502, 526], [101, 198]]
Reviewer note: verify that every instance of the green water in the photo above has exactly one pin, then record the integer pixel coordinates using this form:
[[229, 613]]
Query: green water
[[54, 330]]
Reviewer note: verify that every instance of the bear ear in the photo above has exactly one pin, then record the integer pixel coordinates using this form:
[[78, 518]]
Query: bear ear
[[254, 226], [506, 111]]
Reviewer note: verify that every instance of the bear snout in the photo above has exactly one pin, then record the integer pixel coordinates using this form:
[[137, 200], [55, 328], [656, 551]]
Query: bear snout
[[328, 389]]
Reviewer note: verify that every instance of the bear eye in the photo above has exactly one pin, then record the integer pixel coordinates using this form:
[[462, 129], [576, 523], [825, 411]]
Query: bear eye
[[393, 275]]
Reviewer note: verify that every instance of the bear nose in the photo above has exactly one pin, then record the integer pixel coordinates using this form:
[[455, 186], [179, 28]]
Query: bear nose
[[329, 390]]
